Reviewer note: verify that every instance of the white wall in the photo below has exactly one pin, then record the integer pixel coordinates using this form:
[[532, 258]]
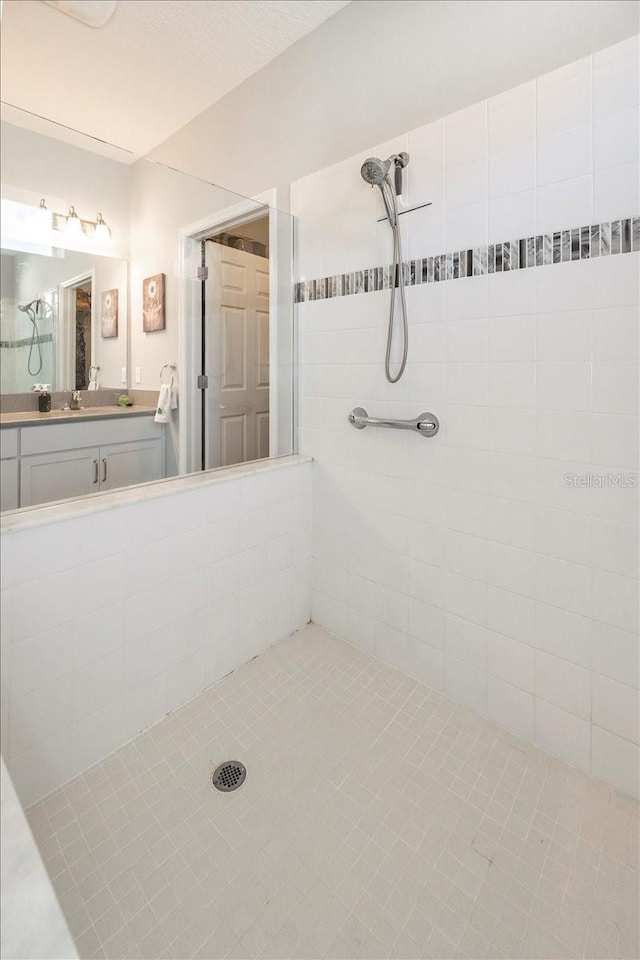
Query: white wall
[[466, 560], [376, 69], [142, 606], [49, 168]]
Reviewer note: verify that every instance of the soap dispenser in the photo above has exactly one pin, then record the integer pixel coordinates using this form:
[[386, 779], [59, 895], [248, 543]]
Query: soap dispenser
[[44, 398]]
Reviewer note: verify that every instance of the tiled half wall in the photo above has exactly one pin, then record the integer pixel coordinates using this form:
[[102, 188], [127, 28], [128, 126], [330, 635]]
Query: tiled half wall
[[497, 561], [113, 618]]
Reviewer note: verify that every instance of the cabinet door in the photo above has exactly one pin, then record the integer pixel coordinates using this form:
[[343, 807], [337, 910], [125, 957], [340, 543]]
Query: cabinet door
[[58, 476], [122, 464], [8, 484]]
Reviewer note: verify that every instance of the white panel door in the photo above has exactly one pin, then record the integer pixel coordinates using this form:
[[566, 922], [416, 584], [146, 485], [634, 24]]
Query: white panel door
[[237, 330]]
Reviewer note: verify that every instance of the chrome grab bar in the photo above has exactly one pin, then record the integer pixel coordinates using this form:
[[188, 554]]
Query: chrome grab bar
[[426, 424]]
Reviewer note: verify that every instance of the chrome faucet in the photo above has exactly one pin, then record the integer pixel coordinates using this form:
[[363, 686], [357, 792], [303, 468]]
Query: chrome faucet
[[76, 400]]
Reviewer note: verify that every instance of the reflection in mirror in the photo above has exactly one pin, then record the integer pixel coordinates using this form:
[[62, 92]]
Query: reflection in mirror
[[177, 359], [62, 321]]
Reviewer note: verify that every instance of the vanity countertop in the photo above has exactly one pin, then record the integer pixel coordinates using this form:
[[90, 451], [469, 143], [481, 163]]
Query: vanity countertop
[[27, 418]]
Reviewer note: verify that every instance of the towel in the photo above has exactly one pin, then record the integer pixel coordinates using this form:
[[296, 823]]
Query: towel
[[93, 385], [174, 396], [163, 408]]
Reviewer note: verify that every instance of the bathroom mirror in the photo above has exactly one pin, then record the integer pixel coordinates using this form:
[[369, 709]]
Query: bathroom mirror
[[63, 320], [190, 291]]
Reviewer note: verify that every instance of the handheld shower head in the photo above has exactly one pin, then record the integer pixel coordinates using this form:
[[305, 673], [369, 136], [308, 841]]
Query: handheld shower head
[[374, 171]]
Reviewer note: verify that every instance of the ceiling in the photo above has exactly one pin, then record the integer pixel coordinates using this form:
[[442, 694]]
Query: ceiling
[[150, 70]]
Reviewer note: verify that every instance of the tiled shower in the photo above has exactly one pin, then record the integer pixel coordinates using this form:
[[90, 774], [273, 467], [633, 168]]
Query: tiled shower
[[498, 561], [445, 762]]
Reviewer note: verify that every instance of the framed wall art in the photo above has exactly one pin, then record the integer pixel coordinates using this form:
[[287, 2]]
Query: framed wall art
[[109, 314], [153, 317]]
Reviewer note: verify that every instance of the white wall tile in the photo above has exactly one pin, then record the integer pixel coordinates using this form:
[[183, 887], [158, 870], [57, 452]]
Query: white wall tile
[[466, 135], [466, 340], [564, 204], [426, 664], [510, 661], [511, 707], [563, 734], [511, 522], [565, 684], [97, 685], [615, 140], [512, 118], [512, 431], [427, 623], [467, 641], [564, 634], [616, 335], [564, 336], [466, 184], [564, 156], [466, 684], [512, 338], [466, 226], [564, 535], [512, 216], [511, 568], [617, 761], [39, 660], [615, 387], [512, 385], [616, 707], [39, 715], [564, 98], [563, 385], [616, 653], [615, 83], [511, 614], [615, 600], [512, 171], [565, 585], [615, 192], [615, 546], [615, 444], [564, 435]]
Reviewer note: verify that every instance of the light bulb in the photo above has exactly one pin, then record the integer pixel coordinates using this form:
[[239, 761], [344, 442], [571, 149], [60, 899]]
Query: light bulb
[[73, 227], [102, 232]]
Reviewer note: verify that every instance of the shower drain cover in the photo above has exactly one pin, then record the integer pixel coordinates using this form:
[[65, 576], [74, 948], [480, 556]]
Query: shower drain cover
[[229, 776]]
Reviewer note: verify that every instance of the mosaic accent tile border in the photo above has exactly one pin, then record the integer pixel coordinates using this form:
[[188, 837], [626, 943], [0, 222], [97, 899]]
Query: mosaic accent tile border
[[578, 243], [26, 342]]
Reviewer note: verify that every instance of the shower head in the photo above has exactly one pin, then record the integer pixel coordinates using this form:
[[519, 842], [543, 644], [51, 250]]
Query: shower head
[[374, 171]]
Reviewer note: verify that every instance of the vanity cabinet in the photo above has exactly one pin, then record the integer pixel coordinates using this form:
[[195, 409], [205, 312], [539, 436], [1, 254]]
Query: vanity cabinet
[[9, 498], [58, 476], [58, 461]]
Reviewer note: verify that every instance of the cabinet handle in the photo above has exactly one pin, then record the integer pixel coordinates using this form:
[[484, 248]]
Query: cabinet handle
[[104, 469], [95, 471]]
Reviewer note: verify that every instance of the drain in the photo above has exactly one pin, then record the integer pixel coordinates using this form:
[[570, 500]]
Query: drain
[[229, 776]]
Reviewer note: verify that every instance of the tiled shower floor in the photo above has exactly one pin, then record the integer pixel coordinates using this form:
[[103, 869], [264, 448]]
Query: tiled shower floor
[[378, 819]]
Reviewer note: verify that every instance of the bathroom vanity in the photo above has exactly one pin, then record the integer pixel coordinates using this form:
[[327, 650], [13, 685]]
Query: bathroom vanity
[[72, 453]]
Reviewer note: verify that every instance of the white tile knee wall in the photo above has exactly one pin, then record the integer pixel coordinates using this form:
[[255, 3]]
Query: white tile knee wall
[[112, 619], [471, 560]]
